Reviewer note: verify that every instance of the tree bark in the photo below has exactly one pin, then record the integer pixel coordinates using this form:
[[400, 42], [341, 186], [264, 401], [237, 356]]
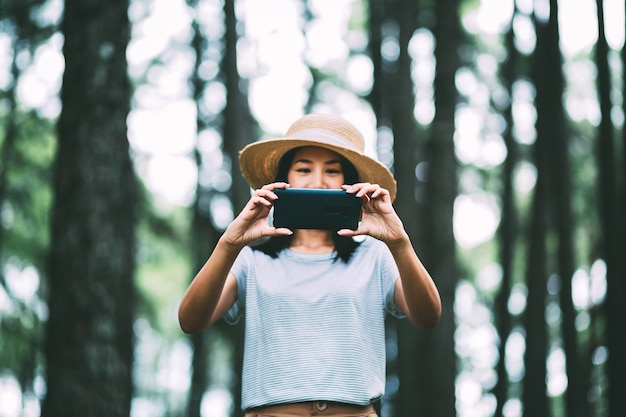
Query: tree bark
[[89, 346], [204, 235], [394, 97], [560, 177], [534, 396], [237, 132], [507, 231], [614, 242], [436, 371]]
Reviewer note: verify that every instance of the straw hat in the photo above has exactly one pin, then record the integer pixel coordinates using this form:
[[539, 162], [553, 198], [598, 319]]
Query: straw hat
[[259, 160]]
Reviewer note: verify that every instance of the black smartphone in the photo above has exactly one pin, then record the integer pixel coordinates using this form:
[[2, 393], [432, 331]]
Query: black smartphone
[[316, 208]]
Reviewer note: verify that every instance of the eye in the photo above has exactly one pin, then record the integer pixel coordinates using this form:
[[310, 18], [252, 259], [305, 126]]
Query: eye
[[334, 169]]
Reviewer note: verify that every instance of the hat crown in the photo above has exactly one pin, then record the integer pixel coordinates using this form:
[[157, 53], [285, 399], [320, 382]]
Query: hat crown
[[328, 129]]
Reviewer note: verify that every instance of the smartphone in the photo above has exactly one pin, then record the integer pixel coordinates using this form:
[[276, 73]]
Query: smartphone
[[316, 208]]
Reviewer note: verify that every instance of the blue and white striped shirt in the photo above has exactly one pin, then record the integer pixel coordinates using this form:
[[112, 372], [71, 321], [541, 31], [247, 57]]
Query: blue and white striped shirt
[[315, 327]]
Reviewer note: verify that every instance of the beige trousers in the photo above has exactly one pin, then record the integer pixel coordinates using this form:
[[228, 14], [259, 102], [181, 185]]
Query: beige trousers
[[313, 409]]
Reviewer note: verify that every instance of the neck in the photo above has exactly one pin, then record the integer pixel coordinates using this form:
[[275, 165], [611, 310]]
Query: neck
[[312, 241]]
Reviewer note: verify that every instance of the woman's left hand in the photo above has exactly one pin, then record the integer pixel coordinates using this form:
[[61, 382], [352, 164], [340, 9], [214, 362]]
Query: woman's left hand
[[379, 219]]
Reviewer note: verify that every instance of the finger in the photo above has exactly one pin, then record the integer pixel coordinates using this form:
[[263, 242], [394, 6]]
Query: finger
[[367, 189], [266, 194], [353, 188], [376, 191], [358, 189], [379, 191], [256, 201], [275, 185], [346, 232], [349, 232], [279, 231], [283, 231]]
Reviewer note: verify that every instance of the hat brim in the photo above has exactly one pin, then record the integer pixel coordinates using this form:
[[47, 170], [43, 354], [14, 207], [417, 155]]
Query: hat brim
[[259, 162]]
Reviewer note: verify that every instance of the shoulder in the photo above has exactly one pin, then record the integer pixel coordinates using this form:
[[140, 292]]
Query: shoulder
[[252, 256], [371, 250], [375, 251], [245, 254], [244, 261], [369, 244]]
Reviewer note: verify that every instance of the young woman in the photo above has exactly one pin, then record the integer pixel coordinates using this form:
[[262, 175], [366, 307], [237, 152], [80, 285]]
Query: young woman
[[315, 301]]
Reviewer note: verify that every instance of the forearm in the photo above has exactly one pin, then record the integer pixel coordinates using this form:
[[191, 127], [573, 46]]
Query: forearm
[[202, 296], [419, 292]]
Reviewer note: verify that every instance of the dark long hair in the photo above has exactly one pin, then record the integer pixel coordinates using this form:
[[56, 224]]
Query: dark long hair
[[344, 245]]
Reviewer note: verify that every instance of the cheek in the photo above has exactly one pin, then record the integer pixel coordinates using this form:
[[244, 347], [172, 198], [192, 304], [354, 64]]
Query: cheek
[[292, 177], [337, 181]]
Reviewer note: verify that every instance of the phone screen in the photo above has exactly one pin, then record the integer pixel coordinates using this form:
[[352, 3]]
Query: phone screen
[[314, 208]]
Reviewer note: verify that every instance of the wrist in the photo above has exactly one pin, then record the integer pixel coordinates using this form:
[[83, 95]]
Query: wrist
[[229, 245], [400, 242]]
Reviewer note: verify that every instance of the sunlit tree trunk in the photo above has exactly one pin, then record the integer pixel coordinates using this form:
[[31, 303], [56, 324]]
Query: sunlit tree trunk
[[89, 346], [612, 220]]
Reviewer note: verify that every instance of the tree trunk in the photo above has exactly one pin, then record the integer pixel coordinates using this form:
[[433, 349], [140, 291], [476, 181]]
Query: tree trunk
[[204, 240], [396, 99], [507, 231], [379, 101], [236, 133], [376, 95], [436, 370], [534, 396], [611, 215], [89, 347], [560, 192], [204, 235]]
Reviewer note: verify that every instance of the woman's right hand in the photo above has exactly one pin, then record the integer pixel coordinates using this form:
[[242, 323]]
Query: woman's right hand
[[252, 223]]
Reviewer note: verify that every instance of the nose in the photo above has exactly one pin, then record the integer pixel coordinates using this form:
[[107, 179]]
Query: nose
[[317, 180]]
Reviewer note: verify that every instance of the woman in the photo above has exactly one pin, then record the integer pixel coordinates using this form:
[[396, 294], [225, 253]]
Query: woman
[[314, 300]]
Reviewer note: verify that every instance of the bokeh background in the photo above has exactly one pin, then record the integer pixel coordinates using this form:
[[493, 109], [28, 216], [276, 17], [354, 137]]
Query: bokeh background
[[503, 121]]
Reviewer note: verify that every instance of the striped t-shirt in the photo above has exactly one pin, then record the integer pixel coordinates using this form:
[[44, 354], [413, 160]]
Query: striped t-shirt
[[315, 326]]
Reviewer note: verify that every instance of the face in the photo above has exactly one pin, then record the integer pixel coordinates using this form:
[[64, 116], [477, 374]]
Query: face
[[314, 167]]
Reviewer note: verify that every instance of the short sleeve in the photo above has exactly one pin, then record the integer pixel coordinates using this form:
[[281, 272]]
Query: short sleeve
[[240, 270], [390, 274]]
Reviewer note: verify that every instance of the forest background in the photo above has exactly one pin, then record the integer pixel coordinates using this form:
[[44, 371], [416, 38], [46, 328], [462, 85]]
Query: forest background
[[502, 120]]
